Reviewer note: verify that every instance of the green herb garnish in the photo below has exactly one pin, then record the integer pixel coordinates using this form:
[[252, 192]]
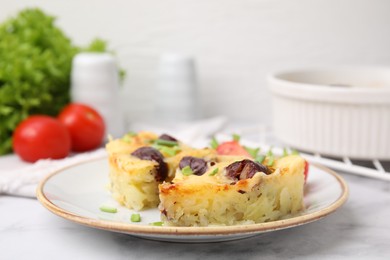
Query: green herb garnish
[[285, 152], [128, 137], [260, 158], [236, 137], [168, 143], [187, 171], [215, 171], [135, 217], [171, 151], [158, 223], [271, 160], [214, 143], [108, 209], [131, 134], [252, 151]]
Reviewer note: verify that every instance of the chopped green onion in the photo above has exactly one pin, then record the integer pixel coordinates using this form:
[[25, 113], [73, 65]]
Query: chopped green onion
[[252, 151], [214, 143], [214, 172], [149, 141], [135, 217], [172, 151], [158, 223], [169, 150], [236, 137], [285, 152], [128, 137], [271, 160], [108, 209], [270, 153], [260, 158], [187, 170], [166, 142], [131, 134], [294, 152]]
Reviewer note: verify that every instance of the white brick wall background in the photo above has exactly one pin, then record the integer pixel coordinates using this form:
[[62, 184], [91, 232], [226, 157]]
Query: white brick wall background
[[235, 43]]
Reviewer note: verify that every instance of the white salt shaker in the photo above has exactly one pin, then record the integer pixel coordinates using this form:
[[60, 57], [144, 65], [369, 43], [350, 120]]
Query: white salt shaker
[[95, 82], [176, 93]]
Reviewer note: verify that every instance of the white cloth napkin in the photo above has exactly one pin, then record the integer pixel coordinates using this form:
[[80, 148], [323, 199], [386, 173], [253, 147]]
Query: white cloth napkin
[[23, 180]]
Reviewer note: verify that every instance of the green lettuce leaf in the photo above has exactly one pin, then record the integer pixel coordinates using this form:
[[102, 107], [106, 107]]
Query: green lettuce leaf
[[35, 67]]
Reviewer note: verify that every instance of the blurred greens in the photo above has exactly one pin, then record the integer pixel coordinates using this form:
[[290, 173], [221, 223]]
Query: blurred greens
[[35, 66]]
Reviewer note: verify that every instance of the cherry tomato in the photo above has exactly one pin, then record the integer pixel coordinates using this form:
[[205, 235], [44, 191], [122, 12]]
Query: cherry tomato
[[85, 125], [232, 148], [40, 137], [306, 172]]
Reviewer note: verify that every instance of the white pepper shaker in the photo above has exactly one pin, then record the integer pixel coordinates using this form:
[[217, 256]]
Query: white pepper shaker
[[176, 93], [95, 82]]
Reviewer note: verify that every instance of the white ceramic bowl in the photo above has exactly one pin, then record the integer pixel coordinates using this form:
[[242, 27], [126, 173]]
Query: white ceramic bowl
[[334, 112]]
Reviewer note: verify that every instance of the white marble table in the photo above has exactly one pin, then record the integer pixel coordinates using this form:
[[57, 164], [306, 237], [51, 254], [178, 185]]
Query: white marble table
[[358, 230]]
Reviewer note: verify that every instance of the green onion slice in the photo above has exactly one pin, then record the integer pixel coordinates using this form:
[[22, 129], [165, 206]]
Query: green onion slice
[[285, 152], [271, 160], [158, 223], [108, 209], [166, 142], [172, 151], [236, 137], [214, 172], [187, 170], [135, 217], [128, 137], [214, 143], [252, 151], [260, 158], [131, 134]]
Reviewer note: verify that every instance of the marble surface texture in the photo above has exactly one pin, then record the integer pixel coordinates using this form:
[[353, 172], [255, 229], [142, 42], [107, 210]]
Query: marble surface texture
[[358, 230]]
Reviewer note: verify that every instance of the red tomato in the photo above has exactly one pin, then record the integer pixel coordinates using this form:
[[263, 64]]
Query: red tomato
[[306, 172], [85, 125], [232, 148], [40, 137]]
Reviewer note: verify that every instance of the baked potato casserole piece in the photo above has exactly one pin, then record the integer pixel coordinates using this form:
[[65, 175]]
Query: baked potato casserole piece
[[138, 163], [235, 192]]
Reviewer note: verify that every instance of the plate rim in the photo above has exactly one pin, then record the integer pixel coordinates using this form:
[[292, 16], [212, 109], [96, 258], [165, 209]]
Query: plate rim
[[190, 231]]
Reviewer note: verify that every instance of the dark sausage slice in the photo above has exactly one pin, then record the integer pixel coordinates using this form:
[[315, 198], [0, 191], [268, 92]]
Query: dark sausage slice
[[245, 169], [152, 154], [197, 165], [167, 138]]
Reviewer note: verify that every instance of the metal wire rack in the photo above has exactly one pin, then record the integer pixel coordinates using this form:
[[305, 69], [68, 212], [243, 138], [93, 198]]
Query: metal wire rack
[[368, 168], [262, 136]]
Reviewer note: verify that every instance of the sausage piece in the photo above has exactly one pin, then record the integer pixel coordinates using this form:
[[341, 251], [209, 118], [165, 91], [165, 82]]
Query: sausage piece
[[152, 154], [197, 165], [245, 169], [167, 138]]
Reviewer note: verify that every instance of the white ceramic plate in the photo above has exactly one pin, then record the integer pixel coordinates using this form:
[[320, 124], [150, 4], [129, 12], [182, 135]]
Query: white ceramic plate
[[77, 192]]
